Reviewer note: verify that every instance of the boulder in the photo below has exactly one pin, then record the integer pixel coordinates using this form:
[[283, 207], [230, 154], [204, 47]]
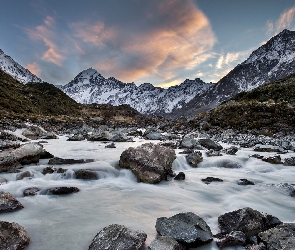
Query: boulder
[[118, 237], [230, 151], [22, 175], [180, 176], [150, 162], [268, 148], [228, 164], [48, 170], [32, 191], [60, 161], [261, 246], [76, 137], [289, 161], [62, 190], [212, 152], [245, 182], [111, 145], [121, 138], [279, 237], [154, 136], [194, 158], [247, 220], [85, 174], [13, 236], [100, 136], [187, 228], [49, 136], [167, 243], [235, 238], [210, 179], [46, 155], [189, 142], [33, 135], [209, 144], [187, 151], [8, 203], [273, 159]]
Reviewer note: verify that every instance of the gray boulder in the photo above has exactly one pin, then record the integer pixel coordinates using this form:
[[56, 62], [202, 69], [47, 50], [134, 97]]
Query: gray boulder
[[166, 243], [230, 151], [259, 246], [32, 191], [118, 237], [210, 179], [85, 174], [100, 136], [280, 237], [60, 161], [62, 190], [190, 143], [111, 145], [212, 152], [121, 138], [228, 164], [268, 148], [13, 236], [154, 136], [273, 159], [235, 238], [22, 175], [194, 158], [289, 161], [76, 137], [49, 135], [187, 228], [180, 176], [245, 182], [150, 162], [8, 203], [209, 144]]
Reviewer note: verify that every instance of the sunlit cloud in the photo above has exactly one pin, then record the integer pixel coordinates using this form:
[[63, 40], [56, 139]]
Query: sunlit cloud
[[34, 68]]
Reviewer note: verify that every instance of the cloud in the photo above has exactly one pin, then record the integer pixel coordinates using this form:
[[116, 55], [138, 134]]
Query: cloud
[[34, 68], [45, 33], [230, 57]]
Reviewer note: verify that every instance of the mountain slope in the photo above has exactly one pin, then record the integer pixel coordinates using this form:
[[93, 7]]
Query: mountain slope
[[91, 87], [18, 72], [272, 61]]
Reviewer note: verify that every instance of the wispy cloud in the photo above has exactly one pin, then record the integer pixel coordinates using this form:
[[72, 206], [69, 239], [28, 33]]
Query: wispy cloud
[[34, 68], [284, 22], [230, 57]]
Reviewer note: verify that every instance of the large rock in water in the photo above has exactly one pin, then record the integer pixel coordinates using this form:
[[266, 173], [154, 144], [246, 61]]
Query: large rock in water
[[60, 161], [209, 144], [25, 154], [167, 243], [8, 203], [280, 237], [118, 237], [194, 158], [150, 162], [247, 220], [187, 228], [13, 236]]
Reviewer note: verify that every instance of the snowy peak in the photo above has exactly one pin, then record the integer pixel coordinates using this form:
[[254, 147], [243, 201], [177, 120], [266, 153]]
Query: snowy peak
[[18, 72]]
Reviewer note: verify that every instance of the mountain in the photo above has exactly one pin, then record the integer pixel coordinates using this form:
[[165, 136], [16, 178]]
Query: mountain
[[18, 72], [91, 87], [272, 61]]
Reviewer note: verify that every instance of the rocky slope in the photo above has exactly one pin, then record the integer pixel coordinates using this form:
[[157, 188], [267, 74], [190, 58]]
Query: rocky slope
[[91, 87], [272, 61], [18, 72]]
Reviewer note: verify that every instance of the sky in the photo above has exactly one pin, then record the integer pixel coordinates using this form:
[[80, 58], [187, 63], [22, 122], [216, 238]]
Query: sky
[[162, 42]]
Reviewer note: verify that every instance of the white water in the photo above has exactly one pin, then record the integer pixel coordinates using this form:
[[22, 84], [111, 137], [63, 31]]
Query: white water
[[70, 222]]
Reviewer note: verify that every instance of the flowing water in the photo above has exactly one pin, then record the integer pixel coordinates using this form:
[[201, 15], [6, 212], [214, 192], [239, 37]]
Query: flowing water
[[70, 222]]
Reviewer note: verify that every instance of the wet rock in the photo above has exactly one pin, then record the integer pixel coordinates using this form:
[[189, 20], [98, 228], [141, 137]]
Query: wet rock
[[111, 145], [187, 151], [261, 246], [180, 176], [194, 158], [280, 237], [76, 137], [210, 179], [49, 136], [245, 182], [273, 159], [8, 203], [167, 243], [171, 144], [150, 162], [46, 155], [235, 238], [3, 181], [268, 148], [9, 144], [118, 237], [187, 228], [154, 136], [246, 220], [48, 170], [289, 161], [13, 236], [121, 138], [209, 144], [32, 191], [189, 142], [100, 136], [230, 151], [30, 134], [213, 152], [228, 164], [62, 190], [60, 161], [22, 175], [257, 156], [85, 174]]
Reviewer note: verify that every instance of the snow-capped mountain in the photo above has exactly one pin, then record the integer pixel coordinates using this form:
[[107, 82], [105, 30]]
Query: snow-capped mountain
[[18, 72], [272, 61], [91, 87]]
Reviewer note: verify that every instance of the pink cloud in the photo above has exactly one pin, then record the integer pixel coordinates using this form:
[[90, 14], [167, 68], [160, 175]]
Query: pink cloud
[[34, 68]]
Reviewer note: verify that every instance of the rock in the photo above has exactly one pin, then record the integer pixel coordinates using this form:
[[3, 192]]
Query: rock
[[230, 151], [32, 191], [8, 203], [246, 220], [209, 144], [85, 174], [118, 237], [289, 161], [25, 154], [13, 236], [245, 182], [8, 144], [180, 176], [213, 152], [62, 190], [3, 181], [150, 162], [30, 134], [194, 158], [257, 156], [46, 155], [49, 136], [189, 142], [100, 136], [228, 164], [112, 145], [60, 161], [121, 138], [187, 151], [187, 228], [280, 237], [235, 238], [48, 170], [272, 159], [154, 136], [208, 180], [76, 137], [268, 148], [22, 175], [261, 246], [166, 243], [289, 187], [171, 144]]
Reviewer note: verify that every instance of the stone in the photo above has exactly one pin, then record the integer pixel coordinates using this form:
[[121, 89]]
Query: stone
[[60, 161], [8, 203], [261, 246], [279, 237], [76, 137], [187, 228], [209, 144], [187, 151], [180, 176], [22, 175], [85, 174], [166, 243], [118, 237], [46, 155], [246, 220], [154, 136], [121, 138], [289, 161], [189, 142], [100, 136], [268, 148], [210, 179], [229, 164], [62, 190], [48, 170], [111, 145], [151, 163], [235, 238], [194, 158], [213, 152], [30, 134], [257, 156], [245, 182], [273, 159], [49, 136], [13, 236], [32, 191], [230, 151]]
